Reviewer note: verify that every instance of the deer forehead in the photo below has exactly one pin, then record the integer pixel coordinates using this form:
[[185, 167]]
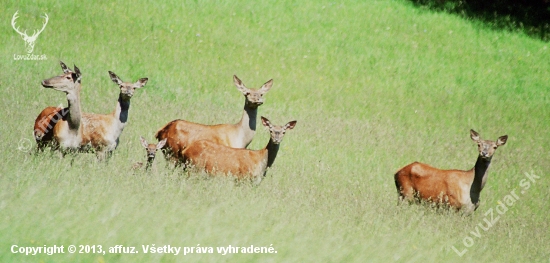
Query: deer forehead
[[151, 147], [277, 129], [254, 92], [126, 86], [61, 79], [68, 74], [487, 145]]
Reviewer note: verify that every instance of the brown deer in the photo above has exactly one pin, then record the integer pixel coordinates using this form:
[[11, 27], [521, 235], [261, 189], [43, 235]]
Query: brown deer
[[43, 126], [456, 188], [151, 152], [96, 131], [102, 131], [214, 158], [180, 133], [64, 126]]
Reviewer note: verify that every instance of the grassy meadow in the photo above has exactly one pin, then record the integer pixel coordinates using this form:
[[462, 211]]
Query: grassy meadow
[[374, 86]]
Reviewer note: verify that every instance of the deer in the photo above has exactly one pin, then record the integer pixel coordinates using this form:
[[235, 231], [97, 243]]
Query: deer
[[96, 131], [218, 159], [29, 40], [457, 189], [180, 133], [151, 149], [66, 130], [102, 131]]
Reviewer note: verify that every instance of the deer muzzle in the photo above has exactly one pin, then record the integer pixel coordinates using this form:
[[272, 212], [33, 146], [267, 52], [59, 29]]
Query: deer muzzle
[[46, 84]]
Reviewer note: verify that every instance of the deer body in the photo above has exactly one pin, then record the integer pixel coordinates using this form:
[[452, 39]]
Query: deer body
[[67, 131], [214, 158], [180, 133], [456, 188], [43, 126], [102, 131]]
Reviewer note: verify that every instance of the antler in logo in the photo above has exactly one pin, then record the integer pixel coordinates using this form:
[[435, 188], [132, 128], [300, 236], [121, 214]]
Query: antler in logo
[[29, 40]]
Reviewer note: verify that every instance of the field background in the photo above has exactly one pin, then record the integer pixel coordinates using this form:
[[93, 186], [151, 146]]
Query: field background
[[374, 85]]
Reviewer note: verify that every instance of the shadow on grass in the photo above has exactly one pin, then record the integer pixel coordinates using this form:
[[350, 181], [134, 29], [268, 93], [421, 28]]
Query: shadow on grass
[[529, 16]]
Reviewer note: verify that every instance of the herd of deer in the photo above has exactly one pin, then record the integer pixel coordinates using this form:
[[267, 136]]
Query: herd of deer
[[221, 149], [215, 149]]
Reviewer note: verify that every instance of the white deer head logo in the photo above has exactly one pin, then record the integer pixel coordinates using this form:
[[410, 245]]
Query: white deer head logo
[[29, 40]]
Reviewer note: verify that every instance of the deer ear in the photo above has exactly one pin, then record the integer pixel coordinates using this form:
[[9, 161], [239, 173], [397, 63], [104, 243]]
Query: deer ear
[[290, 125], [77, 70], [502, 140], [267, 86], [76, 74], [115, 78], [161, 143], [64, 67], [474, 135], [141, 83], [265, 122], [240, 85], [143, 142]]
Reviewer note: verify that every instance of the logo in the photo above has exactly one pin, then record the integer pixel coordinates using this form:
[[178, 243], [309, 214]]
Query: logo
[[24, 145], [29, 40]]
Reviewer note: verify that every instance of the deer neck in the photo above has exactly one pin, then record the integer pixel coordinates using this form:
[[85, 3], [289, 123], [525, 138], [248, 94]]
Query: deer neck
[[272, 150], [121, 111], [74, 113], [149, 163], [480, 178], [247, 125]]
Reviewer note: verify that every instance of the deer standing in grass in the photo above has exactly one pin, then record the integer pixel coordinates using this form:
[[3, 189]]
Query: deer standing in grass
[[180, 133], [456, 188], [151, 152], [97, 131], [102, 132], [215, 158], [62, 125]]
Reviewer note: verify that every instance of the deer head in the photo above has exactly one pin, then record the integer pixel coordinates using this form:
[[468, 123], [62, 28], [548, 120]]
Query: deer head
[[254, 97], [127, 88], [68, 82], [277, 132], [29, 40], [487, 148], [150, 147]]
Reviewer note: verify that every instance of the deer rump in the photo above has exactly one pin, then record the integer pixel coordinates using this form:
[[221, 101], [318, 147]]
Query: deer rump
[[44, 124]]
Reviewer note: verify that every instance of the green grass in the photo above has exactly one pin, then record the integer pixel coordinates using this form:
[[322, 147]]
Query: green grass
[[374, 85]]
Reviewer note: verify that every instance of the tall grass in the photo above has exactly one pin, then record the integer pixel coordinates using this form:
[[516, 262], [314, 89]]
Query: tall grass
[[374, 86]]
